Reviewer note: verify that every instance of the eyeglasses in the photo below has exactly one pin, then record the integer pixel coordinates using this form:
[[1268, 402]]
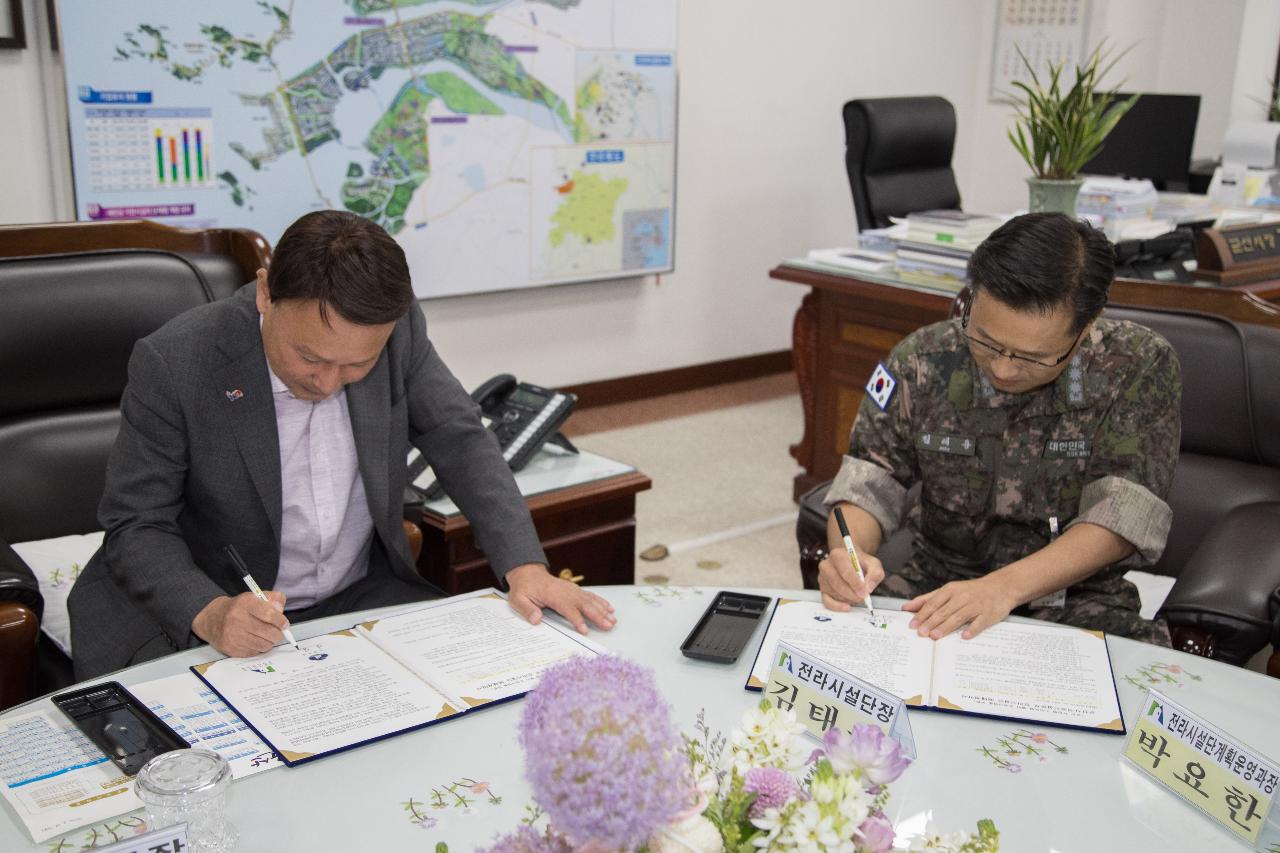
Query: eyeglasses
[[992, 351]]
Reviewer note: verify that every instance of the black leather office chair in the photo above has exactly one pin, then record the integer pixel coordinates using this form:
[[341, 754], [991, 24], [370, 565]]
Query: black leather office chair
[[1224, 548], [68, 323], [898, 155]]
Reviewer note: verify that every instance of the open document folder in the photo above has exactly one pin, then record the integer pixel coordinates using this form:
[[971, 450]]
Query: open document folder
[[1051, 674], [387, 676]]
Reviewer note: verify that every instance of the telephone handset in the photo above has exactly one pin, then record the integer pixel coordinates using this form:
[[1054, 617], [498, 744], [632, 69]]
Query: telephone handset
[[524, 417]]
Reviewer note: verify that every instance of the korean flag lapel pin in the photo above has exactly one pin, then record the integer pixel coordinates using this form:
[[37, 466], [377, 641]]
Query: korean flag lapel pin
[[236, 394], [881, 386]]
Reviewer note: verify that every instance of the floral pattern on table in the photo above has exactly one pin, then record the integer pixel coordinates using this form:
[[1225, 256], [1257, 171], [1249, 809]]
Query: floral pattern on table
[[100, 835], [1020, 747], [1161, 675], [656, 596], [461, 795]]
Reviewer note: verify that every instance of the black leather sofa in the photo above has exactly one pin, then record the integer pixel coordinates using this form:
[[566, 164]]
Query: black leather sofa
[[68, 322]]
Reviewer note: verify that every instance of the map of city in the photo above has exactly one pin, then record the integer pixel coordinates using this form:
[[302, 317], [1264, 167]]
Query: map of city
[[503, 144]]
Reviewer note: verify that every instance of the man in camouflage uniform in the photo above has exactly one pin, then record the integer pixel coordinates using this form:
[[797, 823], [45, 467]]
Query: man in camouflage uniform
[[1030, 412]]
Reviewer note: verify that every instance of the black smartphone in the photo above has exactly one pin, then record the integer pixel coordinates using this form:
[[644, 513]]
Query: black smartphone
[[726, 627], [119, 723]]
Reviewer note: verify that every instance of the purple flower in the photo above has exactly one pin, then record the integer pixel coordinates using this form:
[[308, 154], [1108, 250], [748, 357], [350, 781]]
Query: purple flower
[[876, 833], [526, 839], [868, 751], [601, 753], [772, 786], [1014, 768]]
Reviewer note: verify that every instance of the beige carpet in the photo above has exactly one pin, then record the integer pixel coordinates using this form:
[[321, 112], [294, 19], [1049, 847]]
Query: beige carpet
[[721, 497]]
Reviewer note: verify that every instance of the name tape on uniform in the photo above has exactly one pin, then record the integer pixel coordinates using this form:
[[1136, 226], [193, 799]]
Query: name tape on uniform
[[825, 697]]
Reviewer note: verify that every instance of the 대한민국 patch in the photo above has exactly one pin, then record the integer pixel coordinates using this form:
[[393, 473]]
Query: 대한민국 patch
[[881, 386]]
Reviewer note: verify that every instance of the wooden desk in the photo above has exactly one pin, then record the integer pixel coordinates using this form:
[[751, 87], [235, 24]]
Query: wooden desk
[[848, 323], [588, 532]]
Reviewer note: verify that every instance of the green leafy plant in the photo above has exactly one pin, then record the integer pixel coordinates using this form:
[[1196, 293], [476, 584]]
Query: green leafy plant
[[1060, 129], [1272, 103]]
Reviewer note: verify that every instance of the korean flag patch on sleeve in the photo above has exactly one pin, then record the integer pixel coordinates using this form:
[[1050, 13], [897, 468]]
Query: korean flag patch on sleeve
[[881, 386]]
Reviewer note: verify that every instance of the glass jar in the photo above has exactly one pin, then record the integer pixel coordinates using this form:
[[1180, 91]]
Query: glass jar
[[189, 786]]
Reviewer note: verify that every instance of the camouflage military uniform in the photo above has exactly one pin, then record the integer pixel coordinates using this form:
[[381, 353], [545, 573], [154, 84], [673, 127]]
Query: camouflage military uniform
[[1099, 444]]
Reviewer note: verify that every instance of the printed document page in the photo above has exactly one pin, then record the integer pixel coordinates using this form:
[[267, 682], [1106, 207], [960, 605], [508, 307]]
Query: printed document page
[[338, 691], [1048, 673], [476, 647], [198, 716], [55, 779], [892, 657]]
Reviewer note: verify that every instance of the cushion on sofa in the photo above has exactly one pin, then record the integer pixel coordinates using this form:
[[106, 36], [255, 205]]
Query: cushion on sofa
[[56, 564]]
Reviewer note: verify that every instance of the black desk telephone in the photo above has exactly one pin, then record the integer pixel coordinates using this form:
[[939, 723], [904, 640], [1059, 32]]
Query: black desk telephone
[[524, 417]]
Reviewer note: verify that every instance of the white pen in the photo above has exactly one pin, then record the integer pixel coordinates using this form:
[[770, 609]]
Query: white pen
[[857, 566], [254, 588]]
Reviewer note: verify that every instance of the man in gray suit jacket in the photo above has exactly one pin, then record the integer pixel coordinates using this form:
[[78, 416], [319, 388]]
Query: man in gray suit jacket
[[278, 420]]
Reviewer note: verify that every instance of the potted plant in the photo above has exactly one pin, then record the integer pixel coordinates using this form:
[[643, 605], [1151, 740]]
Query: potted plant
[[1057, 131]]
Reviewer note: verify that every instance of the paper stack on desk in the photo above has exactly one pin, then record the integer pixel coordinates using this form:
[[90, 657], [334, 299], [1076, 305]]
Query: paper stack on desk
[[857, 259], [1122, 207], [938, 243], [951, 229]]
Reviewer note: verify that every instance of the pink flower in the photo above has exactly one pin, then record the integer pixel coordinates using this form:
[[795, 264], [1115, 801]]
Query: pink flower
[[1173, 667], [480, 788], [1039, 737], [867, 751], [772, 786], [877, 835]]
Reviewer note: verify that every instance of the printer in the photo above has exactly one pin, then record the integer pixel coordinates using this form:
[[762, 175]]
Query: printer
[[1250, 155]]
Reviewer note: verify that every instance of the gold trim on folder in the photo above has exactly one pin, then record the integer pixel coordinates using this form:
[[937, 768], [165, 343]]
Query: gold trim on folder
[[755, 682], [202, 668], [944, 702], [492, 595], [446, 710], [782, 601], [295, 756], [474, 702], [368, 626], [345, 632], [917, 700], [1116, 725]]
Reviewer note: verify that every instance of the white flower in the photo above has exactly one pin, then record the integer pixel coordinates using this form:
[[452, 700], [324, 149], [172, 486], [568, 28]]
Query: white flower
[[767, 738], [694, 834], [771, 822], [811, 830], [947, 843]]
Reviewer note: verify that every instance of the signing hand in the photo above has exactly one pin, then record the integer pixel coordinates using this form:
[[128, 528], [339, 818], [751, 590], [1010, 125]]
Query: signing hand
[[839, 583], [243, 626], [979, 603], [533, 588]]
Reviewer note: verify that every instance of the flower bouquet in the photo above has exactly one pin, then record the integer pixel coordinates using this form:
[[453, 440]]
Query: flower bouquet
[[609, 772]]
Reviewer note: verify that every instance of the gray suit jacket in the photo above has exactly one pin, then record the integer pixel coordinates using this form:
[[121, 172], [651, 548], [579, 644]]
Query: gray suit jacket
[[196, 466]]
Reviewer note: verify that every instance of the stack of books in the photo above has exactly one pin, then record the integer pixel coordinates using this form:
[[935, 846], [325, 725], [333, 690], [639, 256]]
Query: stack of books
[[951, 229], [938, 243]]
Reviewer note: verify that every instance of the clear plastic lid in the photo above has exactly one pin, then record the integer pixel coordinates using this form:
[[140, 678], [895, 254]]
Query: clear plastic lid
[[183, 772]]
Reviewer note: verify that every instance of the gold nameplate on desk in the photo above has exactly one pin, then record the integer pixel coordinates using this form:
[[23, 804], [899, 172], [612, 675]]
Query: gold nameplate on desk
[[1240, 254], [1202, 765]]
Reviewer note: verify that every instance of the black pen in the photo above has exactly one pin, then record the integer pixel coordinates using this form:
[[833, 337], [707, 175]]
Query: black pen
[[253, 586], [857, 566]]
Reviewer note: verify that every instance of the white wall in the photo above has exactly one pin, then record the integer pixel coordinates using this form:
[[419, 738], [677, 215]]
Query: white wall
[[760, 159]]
